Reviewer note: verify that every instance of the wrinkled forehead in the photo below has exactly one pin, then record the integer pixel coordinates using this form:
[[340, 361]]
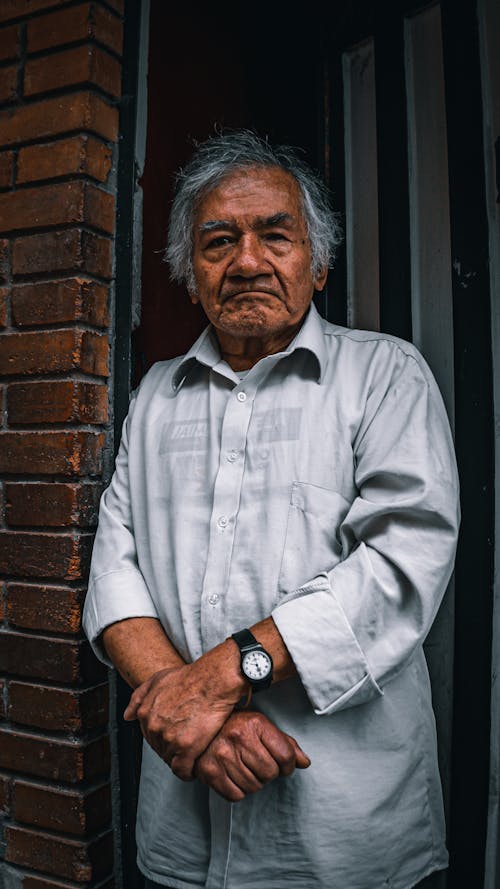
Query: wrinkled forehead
[[266, 191]]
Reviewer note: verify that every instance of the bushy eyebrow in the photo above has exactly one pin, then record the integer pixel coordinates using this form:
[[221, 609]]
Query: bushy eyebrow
[[278, 219], [212, 224], [282, 218]]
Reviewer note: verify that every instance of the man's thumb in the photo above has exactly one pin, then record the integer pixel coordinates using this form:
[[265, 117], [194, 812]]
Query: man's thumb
[[130, 712], [302, 760]]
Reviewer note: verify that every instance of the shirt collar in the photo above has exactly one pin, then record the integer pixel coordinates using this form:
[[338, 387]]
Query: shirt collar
[[205, 350]]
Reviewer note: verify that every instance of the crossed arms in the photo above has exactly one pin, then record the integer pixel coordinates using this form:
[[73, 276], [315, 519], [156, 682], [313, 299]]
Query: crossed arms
[[187, 711], [350, 629]]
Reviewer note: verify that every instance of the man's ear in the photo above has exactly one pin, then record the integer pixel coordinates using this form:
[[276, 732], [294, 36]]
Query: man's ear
[[320, 279], [193, 297]]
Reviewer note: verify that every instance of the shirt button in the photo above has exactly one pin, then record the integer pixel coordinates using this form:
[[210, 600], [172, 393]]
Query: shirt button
[[222, 521], [241, 396], [232, 456], [213, 598]]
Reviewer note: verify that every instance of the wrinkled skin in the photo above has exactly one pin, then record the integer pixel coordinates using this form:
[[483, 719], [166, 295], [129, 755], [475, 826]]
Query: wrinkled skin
[[180, 711], [248, 753], [252, 263]]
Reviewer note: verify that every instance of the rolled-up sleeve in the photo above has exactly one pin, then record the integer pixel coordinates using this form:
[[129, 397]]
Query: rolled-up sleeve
[[117, 589], [355, 626]]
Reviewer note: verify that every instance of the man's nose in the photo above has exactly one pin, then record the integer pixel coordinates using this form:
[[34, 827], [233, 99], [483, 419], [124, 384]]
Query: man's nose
[[249, 259]]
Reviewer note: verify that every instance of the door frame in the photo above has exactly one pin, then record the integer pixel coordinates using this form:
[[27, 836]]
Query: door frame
[[474, 399]]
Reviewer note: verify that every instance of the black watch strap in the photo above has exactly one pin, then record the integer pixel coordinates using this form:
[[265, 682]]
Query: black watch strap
[[244, 639], [247, 643]]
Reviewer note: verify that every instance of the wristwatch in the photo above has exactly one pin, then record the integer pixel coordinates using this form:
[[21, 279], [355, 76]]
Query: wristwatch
[[256, 662]]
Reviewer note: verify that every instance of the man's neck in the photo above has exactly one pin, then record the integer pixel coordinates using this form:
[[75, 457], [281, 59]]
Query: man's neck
[[242, 353]]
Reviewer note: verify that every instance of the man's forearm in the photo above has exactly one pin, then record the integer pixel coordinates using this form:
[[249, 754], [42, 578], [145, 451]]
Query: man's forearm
[[138, 648], [182, 707]]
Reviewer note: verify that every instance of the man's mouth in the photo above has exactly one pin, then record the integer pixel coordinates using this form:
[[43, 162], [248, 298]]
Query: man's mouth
[[254, 291]]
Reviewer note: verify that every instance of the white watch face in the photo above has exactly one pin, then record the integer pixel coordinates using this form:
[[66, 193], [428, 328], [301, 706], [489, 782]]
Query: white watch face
[[256, 665]]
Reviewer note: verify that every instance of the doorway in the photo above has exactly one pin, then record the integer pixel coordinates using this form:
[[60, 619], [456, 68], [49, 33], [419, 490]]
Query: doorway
[[200, 79], [375, 98]]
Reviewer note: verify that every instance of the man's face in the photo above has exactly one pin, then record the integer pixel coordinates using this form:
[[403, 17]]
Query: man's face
[[251, 255]]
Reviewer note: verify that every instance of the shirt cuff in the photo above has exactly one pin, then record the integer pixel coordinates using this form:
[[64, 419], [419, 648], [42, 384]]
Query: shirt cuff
[[114, 596], [324, 649]]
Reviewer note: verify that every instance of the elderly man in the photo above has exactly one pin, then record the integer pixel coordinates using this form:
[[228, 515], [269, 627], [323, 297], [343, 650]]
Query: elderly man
[[271, 552]]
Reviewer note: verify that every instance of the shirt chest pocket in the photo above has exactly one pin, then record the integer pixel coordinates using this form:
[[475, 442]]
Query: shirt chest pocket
[[312, 539]]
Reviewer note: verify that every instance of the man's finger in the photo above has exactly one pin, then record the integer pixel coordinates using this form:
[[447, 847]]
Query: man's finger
[[226, 788], [243, 776], [135, 702], [130, 712], [285, 751], [210, 772], [302, 760], [261, 764], [182, 767]]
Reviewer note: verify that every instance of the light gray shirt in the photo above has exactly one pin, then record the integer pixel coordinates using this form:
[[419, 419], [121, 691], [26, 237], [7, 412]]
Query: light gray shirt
[[321, 488]]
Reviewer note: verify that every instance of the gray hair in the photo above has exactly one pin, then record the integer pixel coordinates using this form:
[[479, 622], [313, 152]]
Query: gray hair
[[221, 155]]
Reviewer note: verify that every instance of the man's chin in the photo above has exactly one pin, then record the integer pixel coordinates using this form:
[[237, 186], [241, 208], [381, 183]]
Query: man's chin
[[251, 320]]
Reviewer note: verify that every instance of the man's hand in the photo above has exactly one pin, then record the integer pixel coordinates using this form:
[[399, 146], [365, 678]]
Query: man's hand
[[248, 752], [182, 709]]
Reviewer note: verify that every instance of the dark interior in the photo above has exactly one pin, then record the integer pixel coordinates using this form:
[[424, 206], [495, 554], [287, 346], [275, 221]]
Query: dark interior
[[210, 78]]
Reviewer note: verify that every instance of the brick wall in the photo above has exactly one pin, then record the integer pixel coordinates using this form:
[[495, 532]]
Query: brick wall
[[60, 76]]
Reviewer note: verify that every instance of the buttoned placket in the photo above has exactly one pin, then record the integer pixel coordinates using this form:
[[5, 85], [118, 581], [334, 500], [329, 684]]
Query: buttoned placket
[[227, 495], [226, 501]]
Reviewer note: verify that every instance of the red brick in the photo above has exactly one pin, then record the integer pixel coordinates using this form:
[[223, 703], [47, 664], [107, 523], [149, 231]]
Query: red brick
[[94, 354], [64, 114], [56, 302], [51, 453], [58, 401], [59, 760], [43, 657], [107, 29], [13, 9], [65, 811], [63, 251], [54, 351], [73, 859], [4, 303], [88, 20], [73, 67], [4, 260], [51, 505], [53, 609], [78, 155], [9, 42], [62, 203], [39, 554], [8, 83], [99, 209], [4, 795], [58, 709], [6, 168]]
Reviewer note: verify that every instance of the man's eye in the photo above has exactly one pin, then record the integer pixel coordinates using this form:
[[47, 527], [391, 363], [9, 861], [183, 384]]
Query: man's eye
[[221, 241], [275, 236]]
